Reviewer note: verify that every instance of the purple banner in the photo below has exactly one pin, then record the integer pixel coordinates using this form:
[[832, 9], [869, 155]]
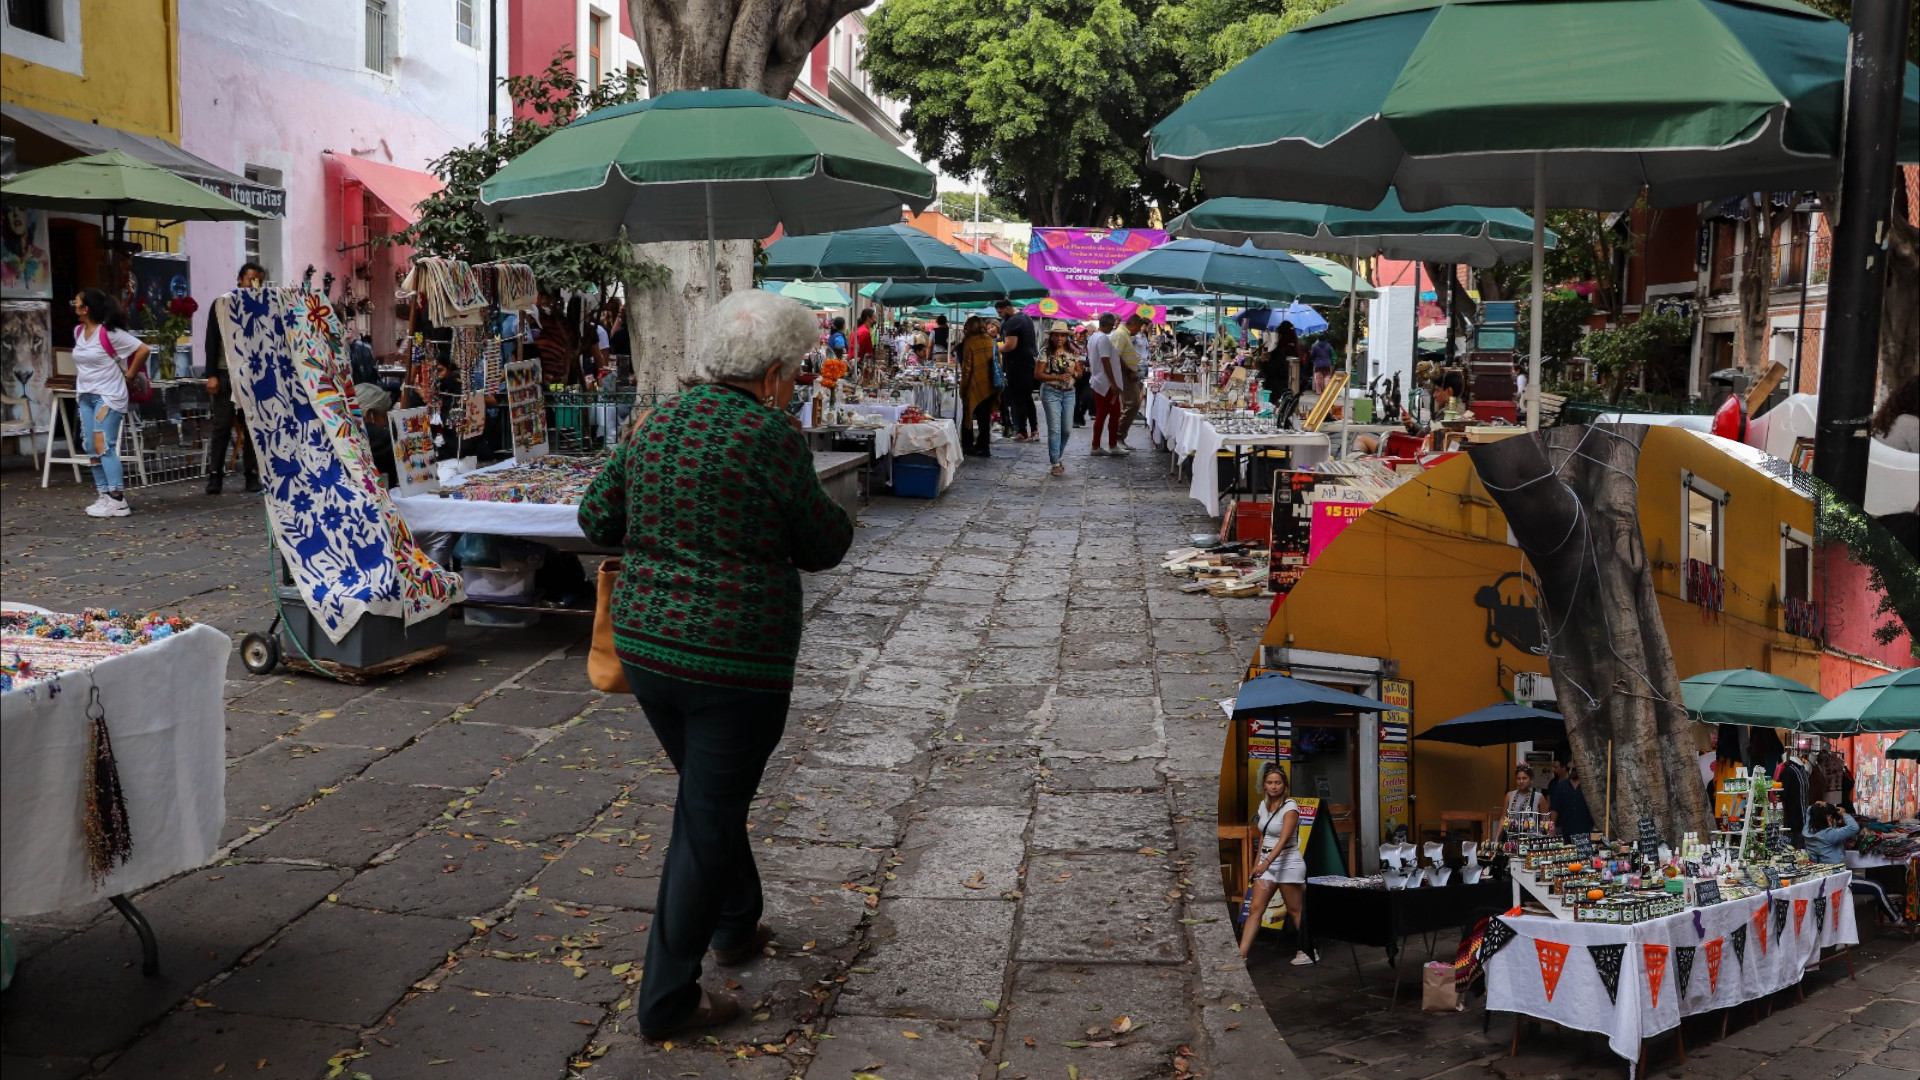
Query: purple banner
[[1069, 261]]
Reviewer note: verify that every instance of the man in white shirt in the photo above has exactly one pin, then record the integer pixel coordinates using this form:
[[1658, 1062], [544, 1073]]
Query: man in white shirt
[[1107, 379], [1133, 393]]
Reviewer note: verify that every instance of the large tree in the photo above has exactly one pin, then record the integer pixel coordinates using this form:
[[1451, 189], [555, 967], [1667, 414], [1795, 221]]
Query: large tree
[[711, 44]]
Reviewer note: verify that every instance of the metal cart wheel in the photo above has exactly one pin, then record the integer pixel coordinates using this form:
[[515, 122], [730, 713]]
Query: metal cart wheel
[[260, 653]]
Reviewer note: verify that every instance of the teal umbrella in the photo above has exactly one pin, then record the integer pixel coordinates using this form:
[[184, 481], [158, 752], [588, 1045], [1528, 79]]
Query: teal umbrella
[[1906, 746], [1202, 266], [117, 184], [998, 278], [887, 252], [814, 294], [1475, 235], [1749, 698], [1889, 702]]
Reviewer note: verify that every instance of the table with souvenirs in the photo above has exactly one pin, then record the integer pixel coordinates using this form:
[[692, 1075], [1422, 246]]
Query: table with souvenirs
[[1892, 848], [1625, 938], [113, 749], [1201, 433], [897, 429]]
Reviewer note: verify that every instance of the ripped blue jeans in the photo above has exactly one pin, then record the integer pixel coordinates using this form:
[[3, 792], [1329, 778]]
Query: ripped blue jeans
[[100, 432]]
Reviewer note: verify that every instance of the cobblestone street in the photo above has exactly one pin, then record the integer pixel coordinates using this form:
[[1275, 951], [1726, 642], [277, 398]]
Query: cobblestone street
[[988, 840]]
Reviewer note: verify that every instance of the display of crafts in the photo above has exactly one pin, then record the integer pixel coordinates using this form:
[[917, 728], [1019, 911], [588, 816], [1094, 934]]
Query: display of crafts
[[413, 451], [37, 646], [553, 480], [526, 412], [1245, 424], [912, 415]]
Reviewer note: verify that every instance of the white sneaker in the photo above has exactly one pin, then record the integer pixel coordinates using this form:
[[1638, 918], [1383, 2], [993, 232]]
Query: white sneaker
[[109, 506], [1301, 959], [1097, 452], [96, 504], [1122, 450]]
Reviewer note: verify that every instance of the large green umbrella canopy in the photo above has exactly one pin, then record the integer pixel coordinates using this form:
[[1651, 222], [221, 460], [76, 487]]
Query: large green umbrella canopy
[[1341, 279], [814, 294], [888, 252], [1454, 101], [1906, 746], [1748, 698], [701, 165], [1475, 235], [998, 278], [1889, 702], [1202, 266], [118, 184]]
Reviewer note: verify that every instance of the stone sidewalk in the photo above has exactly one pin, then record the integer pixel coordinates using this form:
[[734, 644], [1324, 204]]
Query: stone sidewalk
[[988, 838]]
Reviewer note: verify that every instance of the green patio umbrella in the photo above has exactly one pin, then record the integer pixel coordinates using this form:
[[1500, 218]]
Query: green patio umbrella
[[998, 278], [887, 252], [1748, 698], [1476, 235], [1906, 746], [1337, 276], [814, 294], [1889, 702], [704, 164], [1574, 103], [117, 184]]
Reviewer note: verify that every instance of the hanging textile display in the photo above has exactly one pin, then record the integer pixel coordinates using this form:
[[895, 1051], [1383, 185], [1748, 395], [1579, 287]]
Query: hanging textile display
[[488, 377], [334, 524], [413, 455], [469, 353], [109, 834], [526, 410], [518, 292], [451, 291]]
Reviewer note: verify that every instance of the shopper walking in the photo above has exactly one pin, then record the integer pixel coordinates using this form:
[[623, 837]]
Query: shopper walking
[[939, 338], [706, 622], [1055, 372], [863, 338], [1106, 382], [1280, 865], [213, 357], [1287, 355], [978, 396], [1019, 349], [1128, 342], [105, 356], [1321, 354]]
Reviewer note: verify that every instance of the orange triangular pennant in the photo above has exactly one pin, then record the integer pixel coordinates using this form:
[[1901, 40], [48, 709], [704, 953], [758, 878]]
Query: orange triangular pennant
[[1656, 957], [1553, 958], [1713, 964], [1799, 914], [1760, 927]]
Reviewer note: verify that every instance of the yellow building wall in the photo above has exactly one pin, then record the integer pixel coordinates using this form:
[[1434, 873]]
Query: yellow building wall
[[1407, 581], [130, 53]]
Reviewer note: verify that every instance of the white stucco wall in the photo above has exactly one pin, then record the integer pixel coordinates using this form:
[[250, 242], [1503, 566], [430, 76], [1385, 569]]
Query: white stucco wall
[[273, 83]]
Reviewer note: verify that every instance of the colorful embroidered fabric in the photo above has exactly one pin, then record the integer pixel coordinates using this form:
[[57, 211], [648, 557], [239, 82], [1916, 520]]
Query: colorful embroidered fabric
[[554, 480], [450, 289], [348, 550], [472, 422], [469, 353], [518, 292]]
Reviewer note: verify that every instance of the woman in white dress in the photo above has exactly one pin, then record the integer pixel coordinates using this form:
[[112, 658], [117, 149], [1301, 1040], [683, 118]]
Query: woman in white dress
[[1280, 864]]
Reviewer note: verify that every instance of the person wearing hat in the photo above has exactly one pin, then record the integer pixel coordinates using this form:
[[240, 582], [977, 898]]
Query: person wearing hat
[[374, 404], [1055, 372]]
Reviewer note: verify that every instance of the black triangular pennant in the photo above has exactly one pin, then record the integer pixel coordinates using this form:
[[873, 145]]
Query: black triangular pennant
[[1683, 956], [1820, 912], [1496, 937], [1606, 960], [1779, 919], [1739, 939]]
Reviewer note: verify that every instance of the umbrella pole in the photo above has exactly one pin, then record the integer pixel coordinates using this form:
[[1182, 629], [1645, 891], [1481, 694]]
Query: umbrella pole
[[713, 258], [1608, 825], [1346, 411], [1535, 315]]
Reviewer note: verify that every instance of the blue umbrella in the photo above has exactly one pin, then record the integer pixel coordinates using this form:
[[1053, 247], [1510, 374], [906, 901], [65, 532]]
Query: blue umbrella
[[1498, 724], [1284, 696], [1305, 320]]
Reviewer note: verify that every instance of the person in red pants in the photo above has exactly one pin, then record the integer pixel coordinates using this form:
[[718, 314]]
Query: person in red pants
[[1106, 380]]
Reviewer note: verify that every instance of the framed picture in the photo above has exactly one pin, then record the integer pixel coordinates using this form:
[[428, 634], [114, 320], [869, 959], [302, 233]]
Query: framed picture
[[26, 271]]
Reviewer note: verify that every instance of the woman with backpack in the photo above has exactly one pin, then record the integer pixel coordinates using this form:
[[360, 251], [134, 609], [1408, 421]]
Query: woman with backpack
[[105, 358]]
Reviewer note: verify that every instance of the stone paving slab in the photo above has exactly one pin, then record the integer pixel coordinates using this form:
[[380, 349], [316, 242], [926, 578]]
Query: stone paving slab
[[340, 965]]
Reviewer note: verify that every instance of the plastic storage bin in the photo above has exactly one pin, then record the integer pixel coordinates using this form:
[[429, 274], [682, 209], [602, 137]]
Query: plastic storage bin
[[374, 639], [916, 476]]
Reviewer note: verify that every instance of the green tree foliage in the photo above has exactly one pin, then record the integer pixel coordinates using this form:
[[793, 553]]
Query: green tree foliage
[[450, 224], [958, 205], [1563, 323], [1621, 354], [1050, 101]]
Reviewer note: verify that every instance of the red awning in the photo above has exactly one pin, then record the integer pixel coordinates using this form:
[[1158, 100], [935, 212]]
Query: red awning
[[401, 189]]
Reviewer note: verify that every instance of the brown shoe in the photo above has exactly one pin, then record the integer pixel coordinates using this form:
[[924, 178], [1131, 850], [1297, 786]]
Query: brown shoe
[[751, 950], [713, 1011]]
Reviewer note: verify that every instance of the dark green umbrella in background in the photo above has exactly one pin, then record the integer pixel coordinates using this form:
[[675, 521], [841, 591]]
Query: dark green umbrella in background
[[1906, 746], [888, 252], [1884, 703], [1749, 698]]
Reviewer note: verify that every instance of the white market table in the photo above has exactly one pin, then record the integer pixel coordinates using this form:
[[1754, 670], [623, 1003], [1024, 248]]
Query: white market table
[[166, 714], [1188, 434], [1550, 970]]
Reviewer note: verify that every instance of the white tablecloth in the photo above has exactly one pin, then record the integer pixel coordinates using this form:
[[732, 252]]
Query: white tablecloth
[[939, 438], [1516, 983], [431, 513], [166, 714], [1857, 861], [1188, 434]]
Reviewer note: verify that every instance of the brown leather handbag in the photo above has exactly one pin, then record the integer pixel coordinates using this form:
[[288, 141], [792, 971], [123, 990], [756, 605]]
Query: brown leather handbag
[[603, 664]]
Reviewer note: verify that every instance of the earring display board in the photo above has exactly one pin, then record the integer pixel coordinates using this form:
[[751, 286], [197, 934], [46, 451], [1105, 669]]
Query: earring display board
[[526, 411], [413, 456]]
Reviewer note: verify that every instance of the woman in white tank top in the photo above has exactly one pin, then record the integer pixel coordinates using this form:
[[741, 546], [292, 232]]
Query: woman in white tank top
[[1280, 864]]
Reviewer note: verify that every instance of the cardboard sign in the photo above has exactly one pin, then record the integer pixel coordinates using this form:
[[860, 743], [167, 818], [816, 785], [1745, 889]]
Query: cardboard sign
[[1395, 766]]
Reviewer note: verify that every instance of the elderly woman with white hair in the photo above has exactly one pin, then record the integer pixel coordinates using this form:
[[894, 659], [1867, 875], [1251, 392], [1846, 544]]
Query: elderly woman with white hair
[[716, 503]]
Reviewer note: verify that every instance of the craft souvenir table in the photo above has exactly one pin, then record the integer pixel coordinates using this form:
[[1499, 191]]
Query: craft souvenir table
[[165, 713], [1187, 433], [1633, 981]]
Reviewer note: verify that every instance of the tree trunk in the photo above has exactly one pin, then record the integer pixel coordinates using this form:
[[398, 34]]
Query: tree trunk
[[1570, 496], [1900, 310], [1756, 282], [711, 44]]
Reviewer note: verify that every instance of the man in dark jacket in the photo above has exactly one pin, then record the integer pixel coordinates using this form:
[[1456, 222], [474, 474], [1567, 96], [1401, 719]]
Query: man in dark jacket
[[220, 394]]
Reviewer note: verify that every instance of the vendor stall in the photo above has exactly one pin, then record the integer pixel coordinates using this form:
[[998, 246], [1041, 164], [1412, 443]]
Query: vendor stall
[[1633, 981], [113, 739], [1189, 433]]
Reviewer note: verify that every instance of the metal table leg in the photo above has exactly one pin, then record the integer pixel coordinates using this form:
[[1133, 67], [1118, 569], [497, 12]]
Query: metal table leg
[[149, 948]]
